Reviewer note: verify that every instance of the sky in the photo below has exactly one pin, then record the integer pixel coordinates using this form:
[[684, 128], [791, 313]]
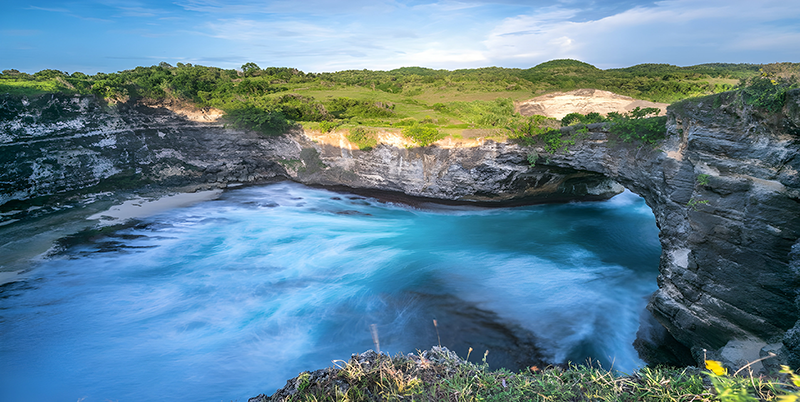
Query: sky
[[93, 36]]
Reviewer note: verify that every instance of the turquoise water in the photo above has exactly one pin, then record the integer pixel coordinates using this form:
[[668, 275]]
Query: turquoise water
[[229, 298]]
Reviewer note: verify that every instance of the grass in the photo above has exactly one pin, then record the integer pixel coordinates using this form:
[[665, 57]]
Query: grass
[[440, 375], [31, 88]]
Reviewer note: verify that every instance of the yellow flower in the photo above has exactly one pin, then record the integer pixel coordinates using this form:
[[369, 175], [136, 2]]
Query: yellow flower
[[716, 367]]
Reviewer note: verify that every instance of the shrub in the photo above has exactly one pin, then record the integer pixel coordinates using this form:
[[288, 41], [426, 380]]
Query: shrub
[[362, 138], [250, 117], [328, 126], [528, 128], [637, 126], [423, 135], [768, 91], [348, 108], [765, 93]]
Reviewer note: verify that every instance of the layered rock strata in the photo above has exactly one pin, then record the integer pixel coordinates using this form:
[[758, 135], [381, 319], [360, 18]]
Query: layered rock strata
[[723, 187]]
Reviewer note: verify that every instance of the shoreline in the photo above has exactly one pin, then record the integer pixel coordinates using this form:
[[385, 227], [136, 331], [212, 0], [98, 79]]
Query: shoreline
[[141, 207], [35, 239]]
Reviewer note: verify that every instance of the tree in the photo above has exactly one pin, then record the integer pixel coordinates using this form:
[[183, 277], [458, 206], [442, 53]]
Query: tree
[[250, 69]]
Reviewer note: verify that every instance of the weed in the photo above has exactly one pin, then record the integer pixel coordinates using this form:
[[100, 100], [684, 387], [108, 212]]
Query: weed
[[532, 158], [439, 374], [693, 203]]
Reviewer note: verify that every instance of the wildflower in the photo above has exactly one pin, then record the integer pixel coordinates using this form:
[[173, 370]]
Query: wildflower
[[716, 367]]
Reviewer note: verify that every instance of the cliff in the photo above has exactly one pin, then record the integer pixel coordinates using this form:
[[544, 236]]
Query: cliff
[[723, 187]]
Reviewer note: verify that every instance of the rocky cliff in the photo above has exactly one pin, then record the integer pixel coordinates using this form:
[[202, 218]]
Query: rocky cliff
[[723, 187]]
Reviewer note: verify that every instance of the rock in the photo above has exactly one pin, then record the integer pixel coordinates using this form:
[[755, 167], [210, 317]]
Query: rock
[[723, 187]]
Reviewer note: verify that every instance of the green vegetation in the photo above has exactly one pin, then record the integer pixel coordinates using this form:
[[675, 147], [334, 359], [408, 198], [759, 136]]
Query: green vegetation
[[426, 104], [249, 117], [768, 90], [439, 374], [632, 126], [363, 138], [653, 82], [635, 125], [423, 134]]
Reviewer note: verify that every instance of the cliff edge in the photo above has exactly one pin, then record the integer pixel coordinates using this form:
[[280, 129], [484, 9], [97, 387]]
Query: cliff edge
[[723, 187]]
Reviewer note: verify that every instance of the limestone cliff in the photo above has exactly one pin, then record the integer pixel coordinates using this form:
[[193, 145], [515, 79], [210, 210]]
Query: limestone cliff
[[726, 195], [723, 187]]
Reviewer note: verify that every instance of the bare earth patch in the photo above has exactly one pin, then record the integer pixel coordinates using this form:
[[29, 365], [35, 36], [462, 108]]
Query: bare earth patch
[[583, 101]]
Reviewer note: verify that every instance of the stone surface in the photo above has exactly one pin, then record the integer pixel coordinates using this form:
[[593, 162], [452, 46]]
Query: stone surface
[[723, 187]]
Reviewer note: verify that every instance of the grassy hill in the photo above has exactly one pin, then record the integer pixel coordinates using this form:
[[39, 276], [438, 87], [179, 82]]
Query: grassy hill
[[409, 98]]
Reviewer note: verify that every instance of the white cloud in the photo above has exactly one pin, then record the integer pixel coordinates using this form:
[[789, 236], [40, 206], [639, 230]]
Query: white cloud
[[678, 31]]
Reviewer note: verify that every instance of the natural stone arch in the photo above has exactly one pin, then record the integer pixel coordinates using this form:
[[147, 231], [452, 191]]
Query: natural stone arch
[[723, 188]]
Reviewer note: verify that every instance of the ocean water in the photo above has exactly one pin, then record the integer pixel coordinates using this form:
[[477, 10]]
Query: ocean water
[[229, 298]]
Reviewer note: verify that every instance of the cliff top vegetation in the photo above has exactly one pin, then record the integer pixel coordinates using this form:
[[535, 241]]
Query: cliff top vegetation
[[421, 102]]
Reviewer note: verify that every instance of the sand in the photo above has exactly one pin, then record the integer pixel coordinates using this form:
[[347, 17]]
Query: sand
[[584, 101], [35, 240], [142, 208]]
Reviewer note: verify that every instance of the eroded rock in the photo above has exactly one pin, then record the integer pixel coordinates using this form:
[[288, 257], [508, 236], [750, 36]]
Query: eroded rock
[[723, 187]]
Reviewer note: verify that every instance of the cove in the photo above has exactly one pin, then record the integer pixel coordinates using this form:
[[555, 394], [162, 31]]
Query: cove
[[229, 298]]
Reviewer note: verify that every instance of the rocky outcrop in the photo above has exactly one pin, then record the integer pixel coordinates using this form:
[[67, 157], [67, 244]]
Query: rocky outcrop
[[723, 187], [59, 144], [725, 193]]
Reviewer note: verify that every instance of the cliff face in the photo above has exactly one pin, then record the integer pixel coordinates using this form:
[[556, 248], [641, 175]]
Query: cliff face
[[725, 192], [723, 187], [56, 144]]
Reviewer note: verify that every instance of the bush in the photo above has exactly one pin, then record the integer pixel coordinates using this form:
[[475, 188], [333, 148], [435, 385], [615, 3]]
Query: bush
[[572, 118], [347, 108], [765, 93], [637, 126], [362, 138], [423, 135], [249, 117], [328, 126]]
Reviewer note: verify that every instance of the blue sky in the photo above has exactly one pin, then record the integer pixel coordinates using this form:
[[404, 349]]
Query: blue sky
[[319, 35]]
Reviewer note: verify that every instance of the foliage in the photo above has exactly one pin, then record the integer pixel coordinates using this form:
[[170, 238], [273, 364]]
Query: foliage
[[577, 118], [481, 114], [795, 379], [250, 117], [527, 129], [298, 107], [636, 126], [344, 108], [328, 126], [768, 90], [439, 375], [480, 98], [532, 158], [654, 82], [363, 138], [423, 134], [732, 388]]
